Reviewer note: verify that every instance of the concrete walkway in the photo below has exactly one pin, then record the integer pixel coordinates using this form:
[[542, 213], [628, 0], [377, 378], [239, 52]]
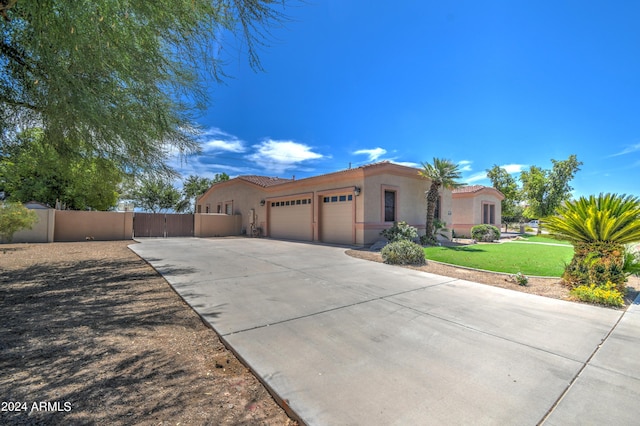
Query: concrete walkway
[[343, 341]]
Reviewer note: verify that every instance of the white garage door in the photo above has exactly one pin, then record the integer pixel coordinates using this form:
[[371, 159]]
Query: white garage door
[[336, 219], [291, 219]]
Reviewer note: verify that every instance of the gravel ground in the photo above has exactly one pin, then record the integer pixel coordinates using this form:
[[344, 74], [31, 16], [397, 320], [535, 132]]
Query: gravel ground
[[93, 332]]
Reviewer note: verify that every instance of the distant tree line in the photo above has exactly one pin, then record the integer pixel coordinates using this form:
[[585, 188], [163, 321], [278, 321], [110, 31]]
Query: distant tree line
[[541, 193]]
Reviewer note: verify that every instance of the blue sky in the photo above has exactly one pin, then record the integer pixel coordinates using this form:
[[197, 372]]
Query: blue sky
[[512, 83]]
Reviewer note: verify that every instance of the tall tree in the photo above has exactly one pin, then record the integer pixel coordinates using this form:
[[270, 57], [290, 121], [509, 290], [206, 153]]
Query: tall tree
[[195, 186], [443, 174], [123, 78], [545, 190], [156, 195], [507, 184], [32, 170]]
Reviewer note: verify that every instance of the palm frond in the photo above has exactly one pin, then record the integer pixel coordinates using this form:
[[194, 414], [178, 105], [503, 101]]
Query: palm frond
[[607, 217]]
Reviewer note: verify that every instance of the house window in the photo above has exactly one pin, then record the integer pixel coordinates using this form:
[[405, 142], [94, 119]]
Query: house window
[[228, 208], [218, 208], [207, 208], [389, 206], [489, 214]]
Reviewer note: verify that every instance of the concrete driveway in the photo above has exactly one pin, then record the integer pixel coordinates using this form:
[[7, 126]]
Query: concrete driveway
[[343, 341]]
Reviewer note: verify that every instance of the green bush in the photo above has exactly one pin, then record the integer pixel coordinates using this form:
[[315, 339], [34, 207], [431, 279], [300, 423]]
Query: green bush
[[400, 231], [519, 278], [426, 240], [403, 252], [606, 294], [13, 218], [439, 229], [597, 263], [485, 233]]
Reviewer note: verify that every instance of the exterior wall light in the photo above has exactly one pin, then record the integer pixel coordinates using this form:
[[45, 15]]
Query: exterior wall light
[[262, 202], [356, 190]]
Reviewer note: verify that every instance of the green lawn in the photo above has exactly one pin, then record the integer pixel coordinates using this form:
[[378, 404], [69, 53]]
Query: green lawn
[[530, 259]]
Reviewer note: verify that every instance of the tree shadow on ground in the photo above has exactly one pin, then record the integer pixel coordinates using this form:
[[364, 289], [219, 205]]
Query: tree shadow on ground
[[75, 332]]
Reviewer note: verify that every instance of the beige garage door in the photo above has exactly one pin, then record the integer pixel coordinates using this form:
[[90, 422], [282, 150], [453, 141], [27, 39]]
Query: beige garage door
[[336, 219], [291, 219]]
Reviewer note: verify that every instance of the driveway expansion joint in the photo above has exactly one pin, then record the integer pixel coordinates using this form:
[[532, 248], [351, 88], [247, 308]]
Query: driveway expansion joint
[[362, 302], [490, 334], [584, 365]]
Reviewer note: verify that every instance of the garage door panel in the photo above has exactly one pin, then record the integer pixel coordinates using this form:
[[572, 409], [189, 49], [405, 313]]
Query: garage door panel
[[292, 221], [336, 219]]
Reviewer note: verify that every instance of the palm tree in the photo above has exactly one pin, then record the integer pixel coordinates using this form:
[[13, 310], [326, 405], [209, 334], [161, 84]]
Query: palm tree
[[443, 174], [598, 227]]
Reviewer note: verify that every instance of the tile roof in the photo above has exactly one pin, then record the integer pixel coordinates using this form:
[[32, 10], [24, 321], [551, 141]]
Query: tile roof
[[264, 181], [468, 189]]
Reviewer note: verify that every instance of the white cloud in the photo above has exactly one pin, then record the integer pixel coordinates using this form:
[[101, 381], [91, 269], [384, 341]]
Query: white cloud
[[278, 156], [465, 165], [627, 150], [514, 168], [407, 163], [215, 131], [475, 177], [373, 154], [222, 145], [214, 139]]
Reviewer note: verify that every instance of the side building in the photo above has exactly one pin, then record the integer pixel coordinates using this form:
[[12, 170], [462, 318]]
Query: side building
[[475, 205]]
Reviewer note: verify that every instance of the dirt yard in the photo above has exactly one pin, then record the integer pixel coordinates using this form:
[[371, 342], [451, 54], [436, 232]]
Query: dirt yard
[[91, 334]]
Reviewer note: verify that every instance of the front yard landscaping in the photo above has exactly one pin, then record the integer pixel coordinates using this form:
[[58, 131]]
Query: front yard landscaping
[[543, 260]]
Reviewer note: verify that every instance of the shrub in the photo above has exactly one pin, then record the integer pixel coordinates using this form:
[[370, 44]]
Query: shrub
[[403, 252], [485, 233], [519, 278], [439, 229], [426, 240], [400, 231], [606, 294], [597, 263], [14, 217], [598, 227]]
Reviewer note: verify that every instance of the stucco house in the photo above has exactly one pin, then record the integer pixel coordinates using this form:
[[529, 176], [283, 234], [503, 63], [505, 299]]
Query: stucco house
[[475, 205], [350, 206]]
